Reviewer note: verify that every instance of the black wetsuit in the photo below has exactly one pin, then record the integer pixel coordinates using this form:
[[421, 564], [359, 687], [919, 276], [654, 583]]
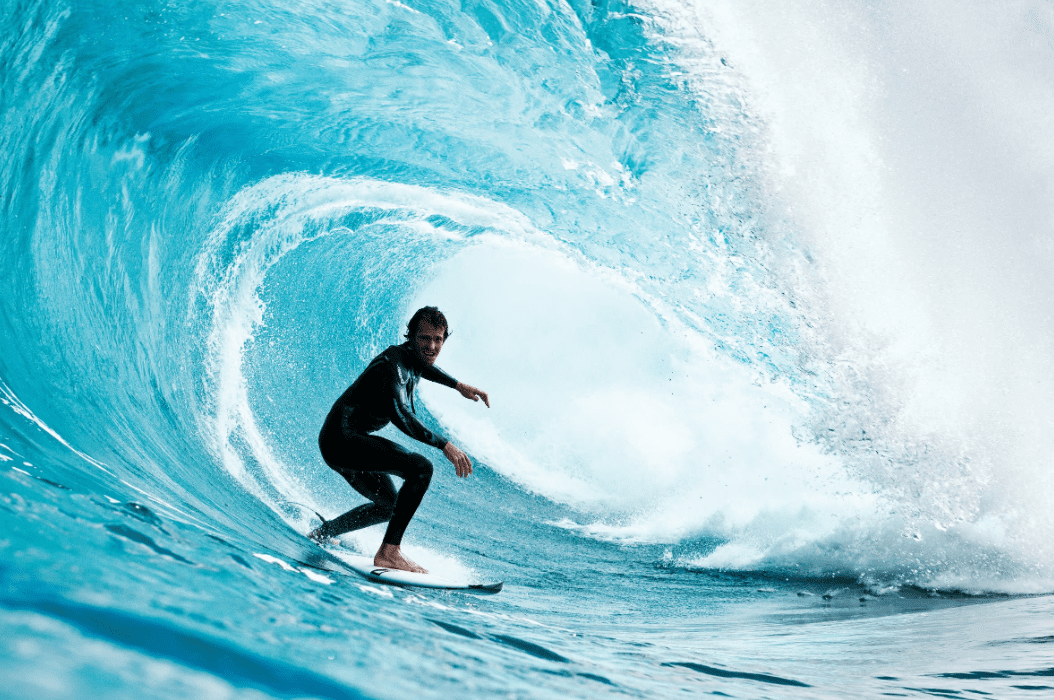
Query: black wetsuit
[[382, 394]]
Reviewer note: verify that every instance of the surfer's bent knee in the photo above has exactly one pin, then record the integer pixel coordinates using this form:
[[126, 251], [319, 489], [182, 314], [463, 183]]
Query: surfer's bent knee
[[422, 468]]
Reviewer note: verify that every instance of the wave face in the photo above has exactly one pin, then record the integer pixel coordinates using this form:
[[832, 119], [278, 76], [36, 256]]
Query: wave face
[[756, 292]]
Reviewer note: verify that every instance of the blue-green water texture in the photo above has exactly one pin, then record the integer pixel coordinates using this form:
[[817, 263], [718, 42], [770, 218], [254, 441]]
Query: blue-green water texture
[[761, 293]]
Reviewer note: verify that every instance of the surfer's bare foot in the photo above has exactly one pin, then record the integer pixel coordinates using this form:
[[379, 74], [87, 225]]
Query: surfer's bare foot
[[389, 556], [317, 536]]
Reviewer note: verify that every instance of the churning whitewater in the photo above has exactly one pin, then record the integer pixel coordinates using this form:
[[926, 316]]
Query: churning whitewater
[[761, 297]]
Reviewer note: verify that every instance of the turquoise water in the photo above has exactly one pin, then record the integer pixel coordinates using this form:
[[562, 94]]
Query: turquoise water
[[761, 297]]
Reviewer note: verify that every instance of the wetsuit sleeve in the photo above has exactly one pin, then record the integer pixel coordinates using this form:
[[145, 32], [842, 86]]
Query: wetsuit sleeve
[[434, 374], [403, 417]]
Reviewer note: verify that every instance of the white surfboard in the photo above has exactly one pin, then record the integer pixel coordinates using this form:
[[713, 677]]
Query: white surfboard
[[395, 577]]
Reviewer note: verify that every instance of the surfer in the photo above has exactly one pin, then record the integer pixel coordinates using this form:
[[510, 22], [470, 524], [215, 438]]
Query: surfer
[[384, 393]]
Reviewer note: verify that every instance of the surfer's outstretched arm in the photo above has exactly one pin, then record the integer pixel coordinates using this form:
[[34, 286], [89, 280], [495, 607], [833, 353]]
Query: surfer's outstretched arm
[[434, 374], [471, 392]]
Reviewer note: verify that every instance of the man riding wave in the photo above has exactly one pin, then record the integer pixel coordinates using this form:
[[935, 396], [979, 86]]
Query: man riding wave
[[382, 394]]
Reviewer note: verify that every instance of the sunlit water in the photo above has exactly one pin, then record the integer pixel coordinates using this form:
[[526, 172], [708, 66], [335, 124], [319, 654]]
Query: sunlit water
[[762, 298]]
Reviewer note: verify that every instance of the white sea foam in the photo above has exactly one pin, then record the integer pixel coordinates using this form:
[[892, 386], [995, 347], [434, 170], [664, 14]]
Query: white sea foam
[[598, 404]]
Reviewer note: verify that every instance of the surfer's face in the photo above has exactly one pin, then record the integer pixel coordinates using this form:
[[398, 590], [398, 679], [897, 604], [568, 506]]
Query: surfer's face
[[428, 342]]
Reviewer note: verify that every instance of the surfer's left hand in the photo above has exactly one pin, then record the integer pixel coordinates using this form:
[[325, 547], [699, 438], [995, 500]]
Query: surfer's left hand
[[471, 392]]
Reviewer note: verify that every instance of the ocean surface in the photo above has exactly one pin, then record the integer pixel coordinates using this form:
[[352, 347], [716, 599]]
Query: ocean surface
[[762, 294]]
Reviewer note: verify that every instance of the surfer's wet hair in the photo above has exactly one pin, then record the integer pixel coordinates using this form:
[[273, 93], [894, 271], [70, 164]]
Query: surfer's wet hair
[[430, 314]]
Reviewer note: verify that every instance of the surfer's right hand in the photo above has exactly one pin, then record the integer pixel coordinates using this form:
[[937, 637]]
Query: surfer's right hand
[[462, 464]]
